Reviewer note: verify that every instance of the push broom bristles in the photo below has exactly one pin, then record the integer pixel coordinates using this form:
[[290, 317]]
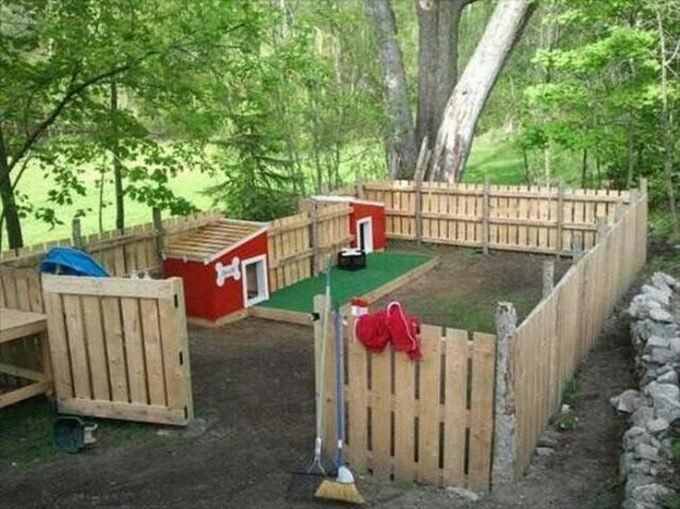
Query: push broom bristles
[[341, 489]]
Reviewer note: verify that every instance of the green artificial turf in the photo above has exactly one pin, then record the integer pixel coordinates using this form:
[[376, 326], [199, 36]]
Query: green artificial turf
[[381, 268]]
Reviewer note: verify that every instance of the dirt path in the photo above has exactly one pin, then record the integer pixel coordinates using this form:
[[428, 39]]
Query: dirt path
[[253, 386]]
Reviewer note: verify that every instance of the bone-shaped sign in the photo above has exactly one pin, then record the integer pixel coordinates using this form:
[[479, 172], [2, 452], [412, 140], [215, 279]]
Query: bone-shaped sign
[[226, 271]]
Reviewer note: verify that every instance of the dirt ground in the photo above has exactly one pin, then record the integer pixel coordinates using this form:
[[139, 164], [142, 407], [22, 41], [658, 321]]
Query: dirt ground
[[253, 389]]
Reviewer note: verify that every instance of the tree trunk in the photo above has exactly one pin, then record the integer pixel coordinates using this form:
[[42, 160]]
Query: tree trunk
[[400, 141], [463, 108], [10, 210], [117, 166], [438, 24]]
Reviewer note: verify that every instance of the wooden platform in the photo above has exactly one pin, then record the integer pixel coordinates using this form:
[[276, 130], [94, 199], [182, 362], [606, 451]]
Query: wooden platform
[[210, 241], [16, 325], [300, 318]]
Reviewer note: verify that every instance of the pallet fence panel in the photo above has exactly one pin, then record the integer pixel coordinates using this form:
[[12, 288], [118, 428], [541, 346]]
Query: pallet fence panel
[[521, 218], [557, 335], [429, 421], [119, 348]]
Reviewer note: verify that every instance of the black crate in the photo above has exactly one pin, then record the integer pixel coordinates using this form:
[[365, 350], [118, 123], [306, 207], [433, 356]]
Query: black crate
[[354, 259]]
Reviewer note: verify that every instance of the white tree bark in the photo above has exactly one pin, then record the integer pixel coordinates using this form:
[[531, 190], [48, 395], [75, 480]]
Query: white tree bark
[[467, 100]]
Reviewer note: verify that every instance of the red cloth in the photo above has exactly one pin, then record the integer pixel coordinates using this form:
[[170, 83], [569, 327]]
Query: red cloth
[[390, 325]]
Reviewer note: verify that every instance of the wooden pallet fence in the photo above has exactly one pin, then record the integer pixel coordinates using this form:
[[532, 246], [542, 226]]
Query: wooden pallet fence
[[521, 218], [290, 250], [119, 348], [556, 336], [121, 252], [299, 244], [431, 421]]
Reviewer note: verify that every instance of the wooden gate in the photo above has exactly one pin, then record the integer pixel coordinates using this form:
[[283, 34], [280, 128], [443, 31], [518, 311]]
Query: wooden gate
[[119, 348]]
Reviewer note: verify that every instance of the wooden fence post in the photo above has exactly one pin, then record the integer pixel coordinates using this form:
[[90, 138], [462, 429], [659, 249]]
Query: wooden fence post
[[577, 246], [485, 216], [158, 231], [560, 218], [421, 166], [315, 237], [643, 186], [548, 277], [360, 187], [505, 421], [76, 234]]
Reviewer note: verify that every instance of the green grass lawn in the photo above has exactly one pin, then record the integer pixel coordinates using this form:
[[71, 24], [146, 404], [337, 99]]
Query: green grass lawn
[[493, 153], [381, 268], [26, 433]]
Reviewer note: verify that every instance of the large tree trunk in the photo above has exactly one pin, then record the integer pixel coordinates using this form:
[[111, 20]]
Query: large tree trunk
[[9, 206], [438, 23], [117, 165], [400, 137], [463, 108]]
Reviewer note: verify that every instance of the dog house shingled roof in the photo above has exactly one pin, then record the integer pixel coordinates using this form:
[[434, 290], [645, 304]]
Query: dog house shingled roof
[[208, 242]]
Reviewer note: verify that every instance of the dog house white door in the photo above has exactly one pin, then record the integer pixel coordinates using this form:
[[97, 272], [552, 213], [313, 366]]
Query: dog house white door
[[255, 284], [365, 234]]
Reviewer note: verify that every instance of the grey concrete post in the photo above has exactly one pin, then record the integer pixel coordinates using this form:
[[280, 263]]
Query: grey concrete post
[[577, 246], [505, 421], [548, 277], [601, 228]]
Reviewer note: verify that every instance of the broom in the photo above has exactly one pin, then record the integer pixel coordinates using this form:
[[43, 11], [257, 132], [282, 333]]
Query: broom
[[342, 488], [315, 468]]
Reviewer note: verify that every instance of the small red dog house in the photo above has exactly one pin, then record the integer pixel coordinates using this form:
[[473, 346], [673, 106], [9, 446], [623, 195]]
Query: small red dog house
[[223, 266], [366, 223]]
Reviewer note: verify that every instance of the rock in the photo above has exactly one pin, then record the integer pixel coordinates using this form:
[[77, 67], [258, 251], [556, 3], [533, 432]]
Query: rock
[[656, 389], [660, 315], [545, 451], [666, 408], [565, 409], [628, 401], [163, 432], [196, 428], [632, 437], [662, 296], [657, 425], [651, 494], [662, 356], [463, 493], [668, 377], [546, 440], [635, 480], [642, 415], [660, 279], [647, 452], [658, 342], [674, 343]]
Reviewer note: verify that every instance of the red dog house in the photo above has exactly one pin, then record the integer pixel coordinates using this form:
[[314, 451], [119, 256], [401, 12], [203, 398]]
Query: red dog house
[[223, 266], [366, 223]]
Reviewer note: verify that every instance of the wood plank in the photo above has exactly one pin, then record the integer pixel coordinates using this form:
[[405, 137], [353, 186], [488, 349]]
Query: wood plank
[[405, 468], [134, 350], [109, 287], [58, 344], [28, 391], [96, 348], [120, 410], [115, 348], [381, 394], [152, 351], [455, 406], [357, 388], [428, 409], [77, 347], [481, 425]]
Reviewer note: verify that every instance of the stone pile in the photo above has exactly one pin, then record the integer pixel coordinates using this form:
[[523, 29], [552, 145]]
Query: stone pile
[[655, 408]]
